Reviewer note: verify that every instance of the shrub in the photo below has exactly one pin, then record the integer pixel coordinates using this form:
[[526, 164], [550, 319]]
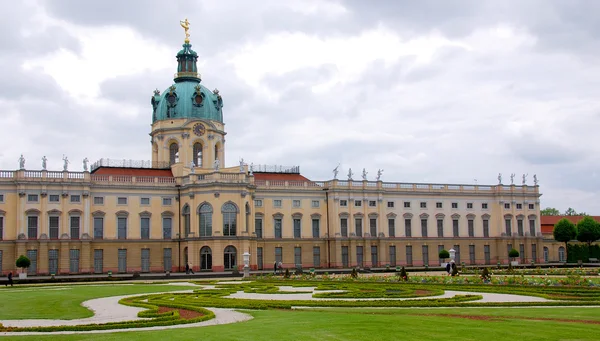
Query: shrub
[[513, 253], [23, 262], [485, 274], [403, 274], [287, 273], [444, 254]]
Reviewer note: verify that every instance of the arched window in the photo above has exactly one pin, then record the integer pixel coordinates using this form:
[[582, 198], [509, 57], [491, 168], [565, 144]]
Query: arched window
[[205, 258], [185, 212], [205, 212], [561, 254], [546, 254], [198, 154], [173, 153], [216, 151], [230, 258], [229, 219]]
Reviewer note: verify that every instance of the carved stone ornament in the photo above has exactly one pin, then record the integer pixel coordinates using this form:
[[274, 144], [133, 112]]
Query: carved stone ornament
[[86, 236], [21, 194], [243, 194], [192, 195], [86, 194], [160, 137], [64, 236], [65, 194], [185, 135], [21, 236], [217, 194], [43, 236], [44, 194]]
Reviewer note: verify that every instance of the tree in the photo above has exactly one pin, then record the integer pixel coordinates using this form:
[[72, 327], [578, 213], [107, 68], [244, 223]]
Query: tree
[[588, 230], [564, 231], [23, 262], [513, 253], [444, 254], [571, 212], [550, 211]]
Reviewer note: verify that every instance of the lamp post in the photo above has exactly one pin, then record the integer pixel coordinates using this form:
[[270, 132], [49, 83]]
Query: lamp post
[[452, 253], [246, 264]]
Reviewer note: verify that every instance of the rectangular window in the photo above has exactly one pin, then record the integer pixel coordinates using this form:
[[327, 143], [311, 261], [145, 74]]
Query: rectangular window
[[454, 205], [343, 203], [508, 248], [455, 227], [258, 203], [316, 256], [484, 206], [258, 227], [472, 254], [457, 255], [471, 227], [75, 198], [469, 205], [98, 200], [359, 256], [407, 204], [519, 206], [486, 254], [425, 249], [391, 227], [486, 228], [279, 255], [424, 227], [409, 260], [315, 203], [533, 252], [1, 235], [32, 227], [440, 227], [295, 203], [298, 257], [373, 227], [372, 203], [316, 233], [277, 203], [167, 223], [345, 261], [98, 261], [277, 226], [438, 205], [297, 228], [532, 227], [74, 261], [33, 198], [98, 227], [122, 228], [122, 201], [357, 203], [531, 206], [143, 201], [122, 260], [32, 255], [407, 227], [167, 201], [520, 227], [75, 227], [167, 259], [53, 262], [392, 255], [507, 224], [54, 198], [259, 258], [507, 206], [358, 227], [146, 260], [374, 257], [54, 227], [145, 227], [1, 197], [522, 252], [390, 204], [423, 204], [344, 227]]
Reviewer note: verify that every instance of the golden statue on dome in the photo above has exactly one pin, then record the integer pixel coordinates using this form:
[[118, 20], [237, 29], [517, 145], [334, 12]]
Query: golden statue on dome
[[186, 27]]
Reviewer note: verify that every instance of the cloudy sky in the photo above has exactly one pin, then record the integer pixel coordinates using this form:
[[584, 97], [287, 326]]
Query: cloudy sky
[[429, 91]]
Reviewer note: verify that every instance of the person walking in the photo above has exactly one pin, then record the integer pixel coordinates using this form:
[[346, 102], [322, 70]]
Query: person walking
[[275, 268], [10, 280], [191, 268], [187, 268]]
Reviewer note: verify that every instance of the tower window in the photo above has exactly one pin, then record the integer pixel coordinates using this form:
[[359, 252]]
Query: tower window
[[173, 153], [198, 154]]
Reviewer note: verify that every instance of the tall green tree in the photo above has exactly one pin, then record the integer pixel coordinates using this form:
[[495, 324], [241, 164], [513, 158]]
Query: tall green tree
[[550, 211], [588, 230], [564, 231], [571, 211]]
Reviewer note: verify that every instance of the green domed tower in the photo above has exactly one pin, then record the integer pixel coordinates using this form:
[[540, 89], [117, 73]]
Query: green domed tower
[[187, 118]]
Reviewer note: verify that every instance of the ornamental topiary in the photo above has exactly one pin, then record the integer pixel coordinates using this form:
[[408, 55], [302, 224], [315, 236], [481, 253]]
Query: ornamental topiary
[[23, 262], [444, 254], [513, 253]]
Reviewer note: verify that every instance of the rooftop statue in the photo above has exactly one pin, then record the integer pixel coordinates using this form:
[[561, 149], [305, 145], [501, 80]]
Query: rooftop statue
[[350, 174], [186, 27], [336, 171], [66, 164], [44, 161], [85, 164], [364, 174], [379, 172], [21, 162]]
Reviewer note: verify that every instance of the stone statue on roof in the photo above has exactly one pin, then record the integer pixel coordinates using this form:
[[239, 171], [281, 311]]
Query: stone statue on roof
[[66, 164], [21, 162], [192, 165], [186, 27], [242, 165], [379, 172], [364, 174], [44, 161], [525, 179], [350, 174], [216, 165], [85, 164], [499, 178], [535, 179], [336, 171], [512, 179]]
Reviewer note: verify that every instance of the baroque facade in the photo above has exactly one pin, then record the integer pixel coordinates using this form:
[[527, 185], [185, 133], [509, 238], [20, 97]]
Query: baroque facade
[[184, 207]]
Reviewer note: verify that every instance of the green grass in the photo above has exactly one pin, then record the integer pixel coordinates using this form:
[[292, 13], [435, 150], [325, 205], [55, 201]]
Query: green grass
[[359, 325], [36, 302]]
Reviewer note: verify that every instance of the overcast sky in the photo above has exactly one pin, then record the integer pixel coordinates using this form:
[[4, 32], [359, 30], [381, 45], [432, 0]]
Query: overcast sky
[[429, 91]]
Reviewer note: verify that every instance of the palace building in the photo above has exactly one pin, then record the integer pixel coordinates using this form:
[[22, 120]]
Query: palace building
[[186, 207]]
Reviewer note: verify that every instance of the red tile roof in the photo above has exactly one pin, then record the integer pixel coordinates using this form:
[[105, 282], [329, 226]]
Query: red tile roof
[[133, 171], [548, 221], [279, 176]]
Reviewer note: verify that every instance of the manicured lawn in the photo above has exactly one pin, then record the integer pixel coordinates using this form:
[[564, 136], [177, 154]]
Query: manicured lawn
[[359, 325], [64, 301]]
